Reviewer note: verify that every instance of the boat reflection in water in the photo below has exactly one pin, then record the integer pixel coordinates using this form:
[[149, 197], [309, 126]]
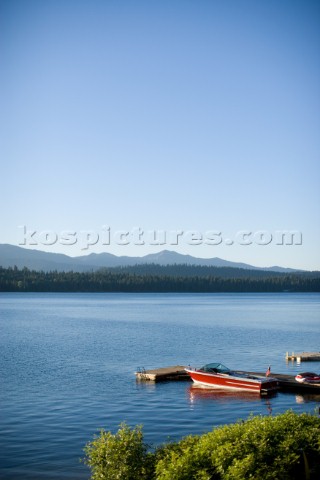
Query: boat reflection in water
[[221, 395], [198, 394], [306, 398]]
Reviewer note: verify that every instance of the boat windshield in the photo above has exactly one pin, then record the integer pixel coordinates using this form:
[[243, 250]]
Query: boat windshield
[[215, 368]]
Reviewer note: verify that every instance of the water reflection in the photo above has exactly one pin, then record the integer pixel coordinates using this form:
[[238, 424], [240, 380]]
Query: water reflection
[[148, 386], [307, 398], [200, 394]]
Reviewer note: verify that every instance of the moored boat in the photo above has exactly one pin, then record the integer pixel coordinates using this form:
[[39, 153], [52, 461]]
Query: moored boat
[[308, 377], [216, 375]]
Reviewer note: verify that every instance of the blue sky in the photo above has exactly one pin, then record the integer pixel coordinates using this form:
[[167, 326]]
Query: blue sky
[[192, 116]]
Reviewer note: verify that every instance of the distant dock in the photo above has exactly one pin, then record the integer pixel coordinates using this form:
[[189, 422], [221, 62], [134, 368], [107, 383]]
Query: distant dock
[[304, 356], [177, 372]]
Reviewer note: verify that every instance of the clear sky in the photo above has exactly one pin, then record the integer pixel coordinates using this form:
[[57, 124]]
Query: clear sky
[[180, 115]]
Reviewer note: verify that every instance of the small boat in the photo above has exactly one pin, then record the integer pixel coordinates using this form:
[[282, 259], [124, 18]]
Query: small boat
[[308, 377], [216, 375]]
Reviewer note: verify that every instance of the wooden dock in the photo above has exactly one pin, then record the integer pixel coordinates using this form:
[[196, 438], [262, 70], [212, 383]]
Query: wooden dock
[[176, 372], [288, 383], [304, 356]]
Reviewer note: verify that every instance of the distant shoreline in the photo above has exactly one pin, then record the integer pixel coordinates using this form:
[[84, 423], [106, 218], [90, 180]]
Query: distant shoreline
[[157, 279]]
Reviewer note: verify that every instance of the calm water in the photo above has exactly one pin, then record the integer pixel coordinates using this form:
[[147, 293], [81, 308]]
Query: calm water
[[68, 362]]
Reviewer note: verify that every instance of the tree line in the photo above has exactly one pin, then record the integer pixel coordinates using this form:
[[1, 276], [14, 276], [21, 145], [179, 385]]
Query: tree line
[[123, 280]]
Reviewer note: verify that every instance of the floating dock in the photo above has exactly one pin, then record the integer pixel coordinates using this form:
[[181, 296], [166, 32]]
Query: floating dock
[[177, 372], [304, 356], [288, 383]]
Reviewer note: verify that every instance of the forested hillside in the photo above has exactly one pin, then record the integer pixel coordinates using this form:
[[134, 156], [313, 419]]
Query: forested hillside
[[155, 278]]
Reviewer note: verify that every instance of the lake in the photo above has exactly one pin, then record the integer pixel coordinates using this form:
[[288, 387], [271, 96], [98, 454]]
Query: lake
[[68, 363]]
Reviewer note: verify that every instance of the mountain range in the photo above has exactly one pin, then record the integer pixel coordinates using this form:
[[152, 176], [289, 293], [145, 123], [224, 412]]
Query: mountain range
[[11, 255]]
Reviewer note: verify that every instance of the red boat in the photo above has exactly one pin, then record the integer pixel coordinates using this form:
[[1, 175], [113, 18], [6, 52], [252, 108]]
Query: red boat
[[216, 375], [308, 377]]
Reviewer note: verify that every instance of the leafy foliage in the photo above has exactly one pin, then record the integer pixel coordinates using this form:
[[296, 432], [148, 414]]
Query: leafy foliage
[[119, 456], [285, 447]]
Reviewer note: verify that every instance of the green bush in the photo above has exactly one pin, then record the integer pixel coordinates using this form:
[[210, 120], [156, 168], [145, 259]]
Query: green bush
[[285, 447], [120, 456]]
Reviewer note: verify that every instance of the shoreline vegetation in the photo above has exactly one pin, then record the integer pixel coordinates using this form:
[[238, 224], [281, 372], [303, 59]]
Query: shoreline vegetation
[[159, 279], [285, 446]]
